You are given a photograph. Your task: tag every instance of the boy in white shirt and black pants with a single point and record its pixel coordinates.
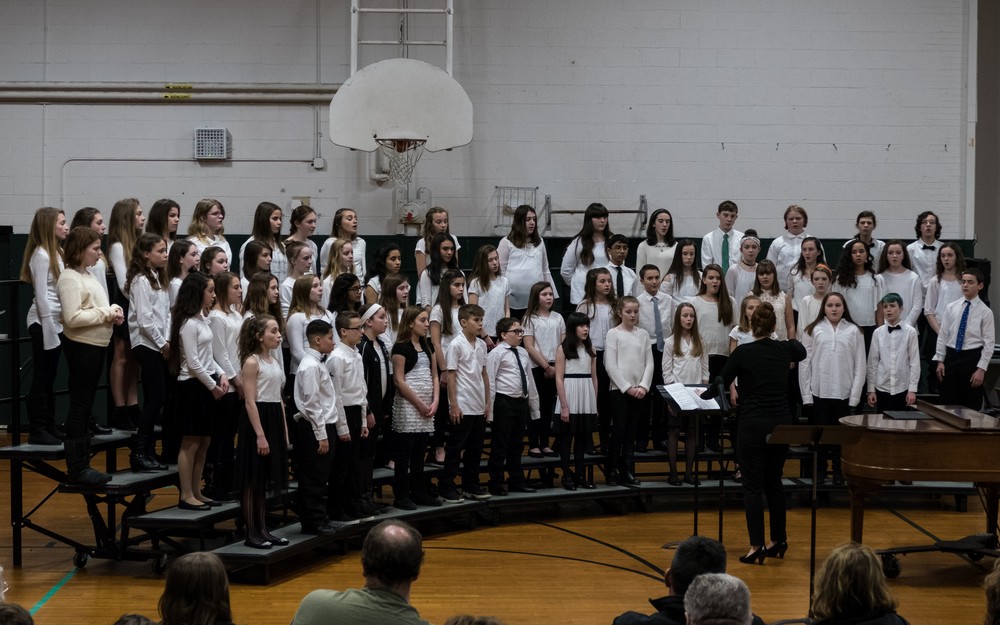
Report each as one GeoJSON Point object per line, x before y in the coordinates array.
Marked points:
{"type": "Point", "coordinates": [468, 392]}
{"type": "Point", "coordinates": [316, 427]}
{"type": "Point", "coordinates": [514, 400]}
{"type": "Point", "coordinates": [656, 312]}
{"type": "Point", "coordinates": [622, 278]}
{"type": "Point", "coordinates": [348, 372]}
{"type": "Point", "coordinates": [893, 360]}
{"type": "Point", "coordinates": [965, 345]}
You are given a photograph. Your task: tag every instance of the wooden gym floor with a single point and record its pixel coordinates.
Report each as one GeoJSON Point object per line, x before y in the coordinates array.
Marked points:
{"type": "Point", "coordinates": [572, 563]}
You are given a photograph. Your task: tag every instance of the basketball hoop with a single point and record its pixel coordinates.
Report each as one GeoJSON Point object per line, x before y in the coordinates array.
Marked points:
{"type": "Point", "coordinates": [402, 155]}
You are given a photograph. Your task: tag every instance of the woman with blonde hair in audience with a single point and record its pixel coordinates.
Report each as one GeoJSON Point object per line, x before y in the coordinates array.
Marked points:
{"type": "Point", "coordinates": [851, 590]}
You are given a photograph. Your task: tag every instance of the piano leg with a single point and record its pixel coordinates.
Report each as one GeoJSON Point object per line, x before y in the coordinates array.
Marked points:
{"type": "Point", "coordinates": [859, 489]}
{"type": "Point", "coordinates": [992, 495]}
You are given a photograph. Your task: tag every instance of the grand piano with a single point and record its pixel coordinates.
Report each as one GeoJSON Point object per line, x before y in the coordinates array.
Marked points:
{"type": "Point", "coordinates": [948, 443]}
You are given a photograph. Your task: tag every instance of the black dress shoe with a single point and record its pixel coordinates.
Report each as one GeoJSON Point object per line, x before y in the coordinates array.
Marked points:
{"type": "Point", "coordinates": [212, 504]}
{"type": "Point", "coordinates": [521, 488]}
{"type": "Point", "coordinates": [183, 505]}
{"type": "Point", "coordinates": [499, 491]}
{"type": "Point", "coordinates": [257, 545]}
{"type": "Point", "coordinates": [568, 482]}
{"type": "Point", "coordinates": [585, 483]}
{"type": "Point", "coordinates": [96, 429]}
{"type": "Point", "coordinates": [323, 530]}
{"type": "Point", "coordinates": [279, 541]}
{"type": "Point", "coordinates": [611, 478]}
{"type": "Point", "coordinates": [673, 480]}
{"type": "Point", "coordinates": [755, 556]}
{"type": "Point", "coordinates": [627, 479]}
{"type": "Point", "coordinates": [535, 454]}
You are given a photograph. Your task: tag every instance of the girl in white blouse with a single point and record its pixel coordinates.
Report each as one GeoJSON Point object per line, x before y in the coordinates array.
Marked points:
{"type": "Point", "coordinates": [489, 289]}
{"type": "Point", "coordinates": [683, 279]}
{"type": "Point", "coordinates": [206, 228]}
{"type": "Point", "coordinates": [832, 376]}
{"type": "Point", "coordinates": [301, 226]}
{"type": "Point", "coordinates": [267, 229]}
{"type": "Point", "coordinates": [544, 331]}
{"type": "Point", "coordinates": [388, 260]}
{"type": "Point", "coordinates": [685, 361]}
{"type": "Point", "coordinates": [92, 218]}
{"type": "Point", "coordinates": [394, 298]}
{"type": "Point", "coordinates": [201, 383]}
{"type": "Point", "coordinates": [42, 264]}
{"type": "Point", "coordinates": [182, 260]}
{"type": "Point", "coordinates": [163, 219]}
{"type": "Point", "coordinates": [345, 228]}
{"type": "Point", "coordinates": [124, 229]}
{"type": "Point", "coordinates": [523, 259]}
{"type": "Point", "coordinates": [435, 223]}
{"type": "Point", "coordinates": [766, 288]}
{"type": "Point", "coordinates": [300, 262]}
{"type": "Point", "coordinates": [741, 276]}
{"type": "Point", "coordinates": [226, 320]}
{"type": "Point", "coordinates": [659, 245]}
{"type": "Point", "coordinates": [586, 251]}
{"type": "Point", "coordinates": [715, 317]}
{"type": "Point", "coordinates": [809, 305]}
{"type": "Point", "coordinates": [629, 363]}
{"type": "Point", "coordinates": [800, 276]}
{"type": "Point", "coordinates": [598, 299]}
{"type": "Point", "coordinates": [149, 335]}
{"type": "Point", "coordinates": [856, 282]}
{"type": "Point", "coordinates": [896, 276]}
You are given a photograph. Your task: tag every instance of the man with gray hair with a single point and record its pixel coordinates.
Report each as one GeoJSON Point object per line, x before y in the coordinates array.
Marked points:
{"type": "Point", "coordinates": [717, 599]}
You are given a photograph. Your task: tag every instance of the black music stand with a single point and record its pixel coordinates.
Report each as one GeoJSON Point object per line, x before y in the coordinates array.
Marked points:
{"type": "Point", "coordinates": [814, 436]}
{"type": "Point", "coordinates": [691, 455]}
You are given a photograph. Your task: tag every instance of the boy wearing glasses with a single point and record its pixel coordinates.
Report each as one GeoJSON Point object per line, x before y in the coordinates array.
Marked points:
{"type": "Point", "coordinates": [347, 369]}
{"type": "Point", "coordinates": [514, 400]}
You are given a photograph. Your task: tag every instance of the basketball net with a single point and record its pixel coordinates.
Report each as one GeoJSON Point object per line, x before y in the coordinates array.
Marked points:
{"type": "Point", "coordinates": [402, 155]}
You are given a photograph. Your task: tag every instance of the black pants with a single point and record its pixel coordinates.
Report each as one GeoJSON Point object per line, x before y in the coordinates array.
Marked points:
{"type": "Point", "coordinates": [343, 490]}
{"type": "Point", "coordinates": [626, 409]}
{"type": "Point", "coordinates": [465, 448]}
{"type": "Point", "coordinates": [86, 364]}
{"type": "Point", "coordinates": [827, 411]}
{"type": "Point", "coordinates": [313, 471]}
{"type": "Point", "coordinates": [540, 430]}
{"type": "Point", "coordinates": [884, 401]}
{"type": "Point", "coordinates": [510, 418]}
{"type": "Point", "coordinates": [222, 448]}
{"type": "Point", "coordinates": [442, 422]}
{"type": "Point", "coordinates": [711, 435]}
{"type": "Point", "coordinates": [154, 386]}
{"type": "Point", "coordinates": [604, 409]}
{"type": "Point", "coordinates": [762, 466]}
{"type": "Point", "coordinates": [956, 387]}
{"type": "Point", "coordinates": [41, 403]}
{"type": "Point", "coordinates": [652, 419]}
{"type": "Point", "coordinates": [408, 476]}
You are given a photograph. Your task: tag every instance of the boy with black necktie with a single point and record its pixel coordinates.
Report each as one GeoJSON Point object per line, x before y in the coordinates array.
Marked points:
{"type": "Point", "coordinates": [893, 360]}
{"type": "Point", "coordinates": [514, 399]}
{"type": "Point", "coordinates": [622, 278]}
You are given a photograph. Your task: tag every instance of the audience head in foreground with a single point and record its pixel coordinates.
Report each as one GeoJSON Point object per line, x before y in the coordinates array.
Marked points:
{"type": "Point", "coordinates": [390, 561]}
{"type": "Point", "coordinates": [717, 599]}
{"type": "Point", "coordinates": [850, 587]}
{"type": "Point", "coordinates": [196, 591]}
{"type": "Point", "coordinates": [992, 585]}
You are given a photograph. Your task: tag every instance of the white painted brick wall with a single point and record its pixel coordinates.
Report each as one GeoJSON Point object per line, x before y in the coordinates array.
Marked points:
{"type": "Point", "coordinates": [688, 103]}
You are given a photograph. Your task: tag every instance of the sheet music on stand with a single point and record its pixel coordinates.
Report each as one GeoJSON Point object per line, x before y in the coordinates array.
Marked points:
{"type": "Point", "coordinates": [688, 397]}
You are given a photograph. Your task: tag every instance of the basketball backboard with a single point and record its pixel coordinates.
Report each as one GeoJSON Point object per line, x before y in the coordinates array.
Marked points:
{"type": "Point", "coordinates": [401, 99]}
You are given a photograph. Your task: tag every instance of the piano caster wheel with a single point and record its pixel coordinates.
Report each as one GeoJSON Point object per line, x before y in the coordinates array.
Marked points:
{"type": "Point", "coordinates": [890, 566]}
{"type": "Point", "coordinates": [80, 559]}
{"type": "Point", "coordinates": [160, 564]}
{"type": "Point", "coordinates": [976, 556]}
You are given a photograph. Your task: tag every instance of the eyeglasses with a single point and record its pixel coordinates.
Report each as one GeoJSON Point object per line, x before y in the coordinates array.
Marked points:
{"type": "Point", "coordinates": [355, 289]}
{"type": "Point", "coordinates": [518, 331]}
{"type": "Point", "coordinates": [354, 328]}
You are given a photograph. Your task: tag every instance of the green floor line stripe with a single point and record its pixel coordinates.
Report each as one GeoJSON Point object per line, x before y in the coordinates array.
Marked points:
{"type": "Point", "coordinates": [52, 591]}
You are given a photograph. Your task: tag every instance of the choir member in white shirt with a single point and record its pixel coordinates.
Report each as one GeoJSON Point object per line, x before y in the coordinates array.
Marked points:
{"type": "Point", "coordinates": [741, 276]}
{"type": "Point", "coordinates": [924, 251]}
{"type": "Point", "coordinates": [629, 363]}
{"type": "Point", "coordinates": [893, 360]}
{"type": "Point", "coordinates": [659, 245]}
{"type": "Point", "coordinates": [226, 320]}
{"type": "Point", "coordinates": [586, 251]}
{"type": "Point", "coordinates": [895, 276]}
{"type": "Point", "coordinates": [856, 282]}
{"type": "Point", "coordinates": [683, 278]}
{"type": "Point", "coordinates": [622, 277]}
{"type": "Point", "coordinates": [206, 228]}
{"type": "Point", "coordinates": [345, 227]}
{"type": "Point", "coordinates": [965, 345]}
{"type": "Point", "coordinates": [685, 361]}
{"type": "Point", "coordinates": [348, 372]}
{"type": "Point", "coordinates": [513, 400]}
{"type": "Point", "coordinates": [785, 250]}
{"type": "Point", "coordinates": [316, 428]}
{"type": "Point", "coordinates": [267, 229]}
{"type": "Point", "coordinates": [523, 260]}
{"type": "Point", "coordinates": [832, 376]}
{"type": "Point", "coordinates": [656, 312]}
{"type": "Point", "coordinates": [866, 223]}
{"type": "Point", "coordinates": [544, 331]}
{"type": "Point", "coordinates": [721, 246]}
